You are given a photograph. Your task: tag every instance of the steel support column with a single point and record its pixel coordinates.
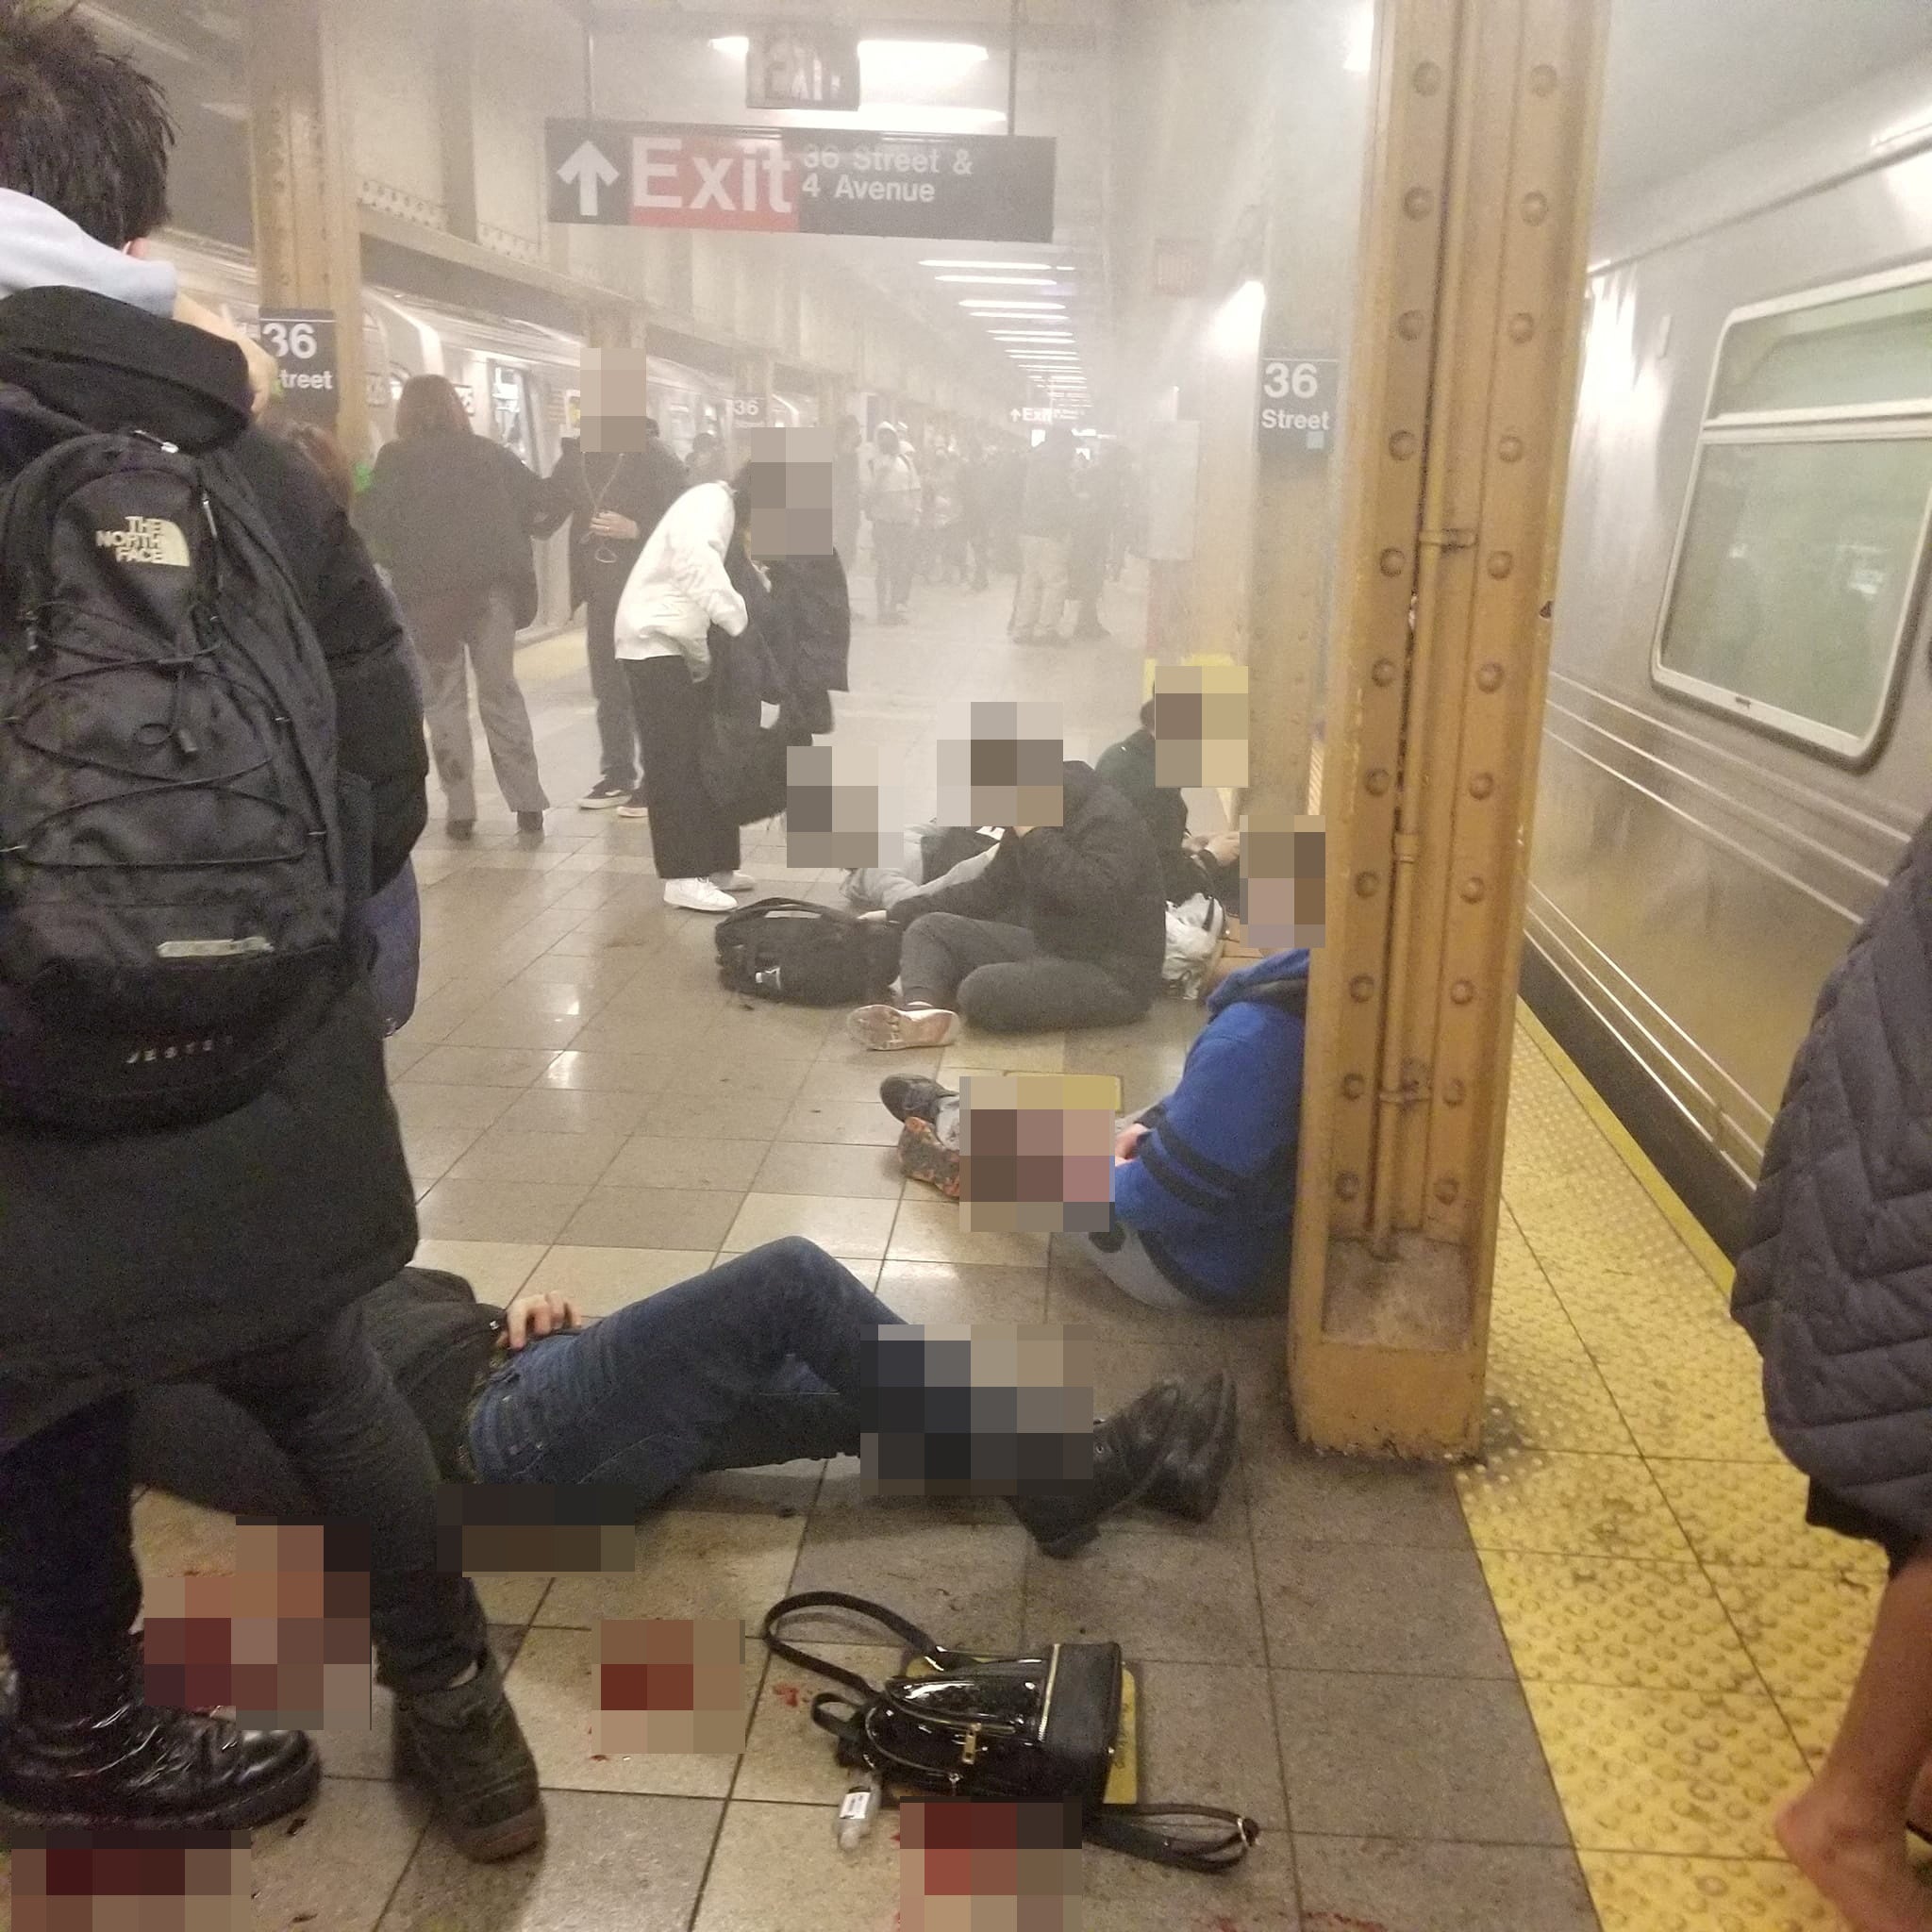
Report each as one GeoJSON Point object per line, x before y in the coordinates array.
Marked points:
{"type": "Point", "coordinates": [1469, 297]}
{"type": "Point", "coordinates": [308, 241]}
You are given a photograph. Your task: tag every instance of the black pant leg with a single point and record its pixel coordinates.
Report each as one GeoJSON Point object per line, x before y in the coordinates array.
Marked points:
{"type": "Point", "coordinates": [68, 1588]}
{"type": "Point", "coordinates": [329, 1401]}
{"type": "Point", "coordinates": [689, 837]}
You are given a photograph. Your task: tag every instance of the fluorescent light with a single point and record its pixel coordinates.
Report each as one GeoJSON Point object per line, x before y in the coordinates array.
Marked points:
{"type": "Point", "coordinates": [1005, 304]}
{"type": "Point", "coordinates": [1035, 267]}
{"type": "Point", "coordinates": [895, 117]}
{"type": "Point", "coordinates": [1065, 335]}
{"type": "Point", "coordinates": [1004, 281]}
{"type": "Point", "coordinates": [922, 64]}
{"type": "Point", "coordinates": [735, 46]}
{"type": "Point", "coordinates": [1361, 39]}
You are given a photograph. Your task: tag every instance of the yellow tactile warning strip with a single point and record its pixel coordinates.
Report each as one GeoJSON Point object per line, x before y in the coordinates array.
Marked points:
{"type": "Point", "coordinates": [1685, 1642]}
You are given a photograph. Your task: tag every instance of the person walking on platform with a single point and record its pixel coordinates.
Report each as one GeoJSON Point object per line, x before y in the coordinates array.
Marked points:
{"type": "Point", "coordinates": [848, 493]}
{"type": "Point", "coordinates": [893, 502]}
{"type": "Point", "coordinates": [976, 506]}
{"type": "Point", "coordinates": [1090, 545]}
{"type": "Point", "coordinates": [222, 1219]}
{"type": "Point", "coordinates": [1833, 1284]}
{"type": "Point", "coordinates": [613, 499]}
{"type": "Point", "coordinates": [451, 514]}
{"type": "Point", "coordinates": [1046, 526]}
{"type": "Point", "coordinates": [706, 462]}
{"type": "Point", "coordinates": [678, 589]}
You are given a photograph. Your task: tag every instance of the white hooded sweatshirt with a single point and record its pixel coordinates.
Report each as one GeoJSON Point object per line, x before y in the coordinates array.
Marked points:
{"type": "Point", "coordinates": [679, 587]}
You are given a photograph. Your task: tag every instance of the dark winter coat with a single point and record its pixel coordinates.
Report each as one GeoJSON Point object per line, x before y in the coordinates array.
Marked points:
{"type": "Point", "coordinates": [1087, 890]}
{"type": "Point", "coordinates": [1128, 767]}
{"type": "Point", "coordinates": [453, 513]}
{"type": "Point", "coordinates": [637, 484]}
{"type": "Point", "coordinates": [1834, 1279]}
{"type": "Point", "coordinates": [128, 1258]}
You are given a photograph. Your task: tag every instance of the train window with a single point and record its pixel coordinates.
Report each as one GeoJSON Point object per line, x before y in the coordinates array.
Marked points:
{"type": "Point", "coordinates": [1803, 540]}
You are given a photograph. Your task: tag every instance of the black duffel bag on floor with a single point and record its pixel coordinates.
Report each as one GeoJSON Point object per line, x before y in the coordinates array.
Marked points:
{"type": "Point", "coordinates": [805, 955]}
{"type": "Point", "coordinates": [1038, 1729]}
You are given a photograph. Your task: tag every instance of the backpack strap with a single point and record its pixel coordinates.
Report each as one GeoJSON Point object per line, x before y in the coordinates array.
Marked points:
{"type": "Point", "coordinates": [909, 1632]}
{"type": "Point", "coordinates": [1127, 1828]}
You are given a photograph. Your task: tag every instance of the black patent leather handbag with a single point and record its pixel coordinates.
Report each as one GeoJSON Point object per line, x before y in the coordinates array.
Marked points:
{"type": "Point", "coordinates": [1038, 1728]}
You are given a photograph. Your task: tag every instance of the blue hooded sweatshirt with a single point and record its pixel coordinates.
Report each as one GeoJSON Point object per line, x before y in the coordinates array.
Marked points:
{"type": "Point", "coordinates": [1210, 1191]}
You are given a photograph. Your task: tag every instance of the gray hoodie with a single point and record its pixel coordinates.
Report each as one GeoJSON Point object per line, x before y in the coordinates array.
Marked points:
{"type": "Point", "coordinates": [39, 248]}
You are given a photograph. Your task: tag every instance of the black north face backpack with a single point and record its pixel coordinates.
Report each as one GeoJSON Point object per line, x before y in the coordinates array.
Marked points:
{"type": "Point", "coordinates": [175, 892]}
{"type": "Point", "coordinates": [805, 955]}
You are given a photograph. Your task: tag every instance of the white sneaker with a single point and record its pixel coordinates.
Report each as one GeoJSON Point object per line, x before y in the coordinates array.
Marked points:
{"type": "Point", "coordinates": [899, 1029]}
{"type": "Point", "coordinates": [697, 895]}
{"type": "Point", "coordinates": [734, 882]}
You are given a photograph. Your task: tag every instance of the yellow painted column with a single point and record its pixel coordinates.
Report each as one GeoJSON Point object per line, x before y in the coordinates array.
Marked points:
{"type": "Point", "coordinates": [307, 236]}
{"type": "Point", "coordinates": [1464, 363]}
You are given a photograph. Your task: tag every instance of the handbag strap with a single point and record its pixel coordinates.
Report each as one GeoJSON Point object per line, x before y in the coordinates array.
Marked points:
{"type": "Point", "coordinates": [1127, 1828]}
{"type": "Point", "coordinates": [909, 1633]}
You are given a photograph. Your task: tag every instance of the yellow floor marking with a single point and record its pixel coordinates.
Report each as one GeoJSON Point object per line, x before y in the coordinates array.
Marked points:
{"type": "Point", "coordinates": [1683, 1640]}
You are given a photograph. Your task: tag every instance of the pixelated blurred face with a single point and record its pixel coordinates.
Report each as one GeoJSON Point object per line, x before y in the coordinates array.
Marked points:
{"type": "Point", "coordinates": [836, 811]}
{"type": "Point", "coordinates": [1284, 884]}
{"type": "Point", "coordinates": [989, 1410]}
{"type": "Point", "coordinates": [68, 1880]}
{"type": "Point", "coordinates": [615, 402]}
{"type": "Point", "coordinates": [788, 480]}
{"type": "Point", "coordinates": [1201, 725]}
{"type": "Point", "coordinates": [1035, 1153]}
{"type": "Point", "coordinates": [989, 1867]}
{"type": "Point", "coordinates": [535, 1529]}
{"type": "Point", "coordinates": [283, 1638]}
{"type": "Point", "coordinates": [1010, 770]}
{"type": "Point", "coordinates": [672, 1685]}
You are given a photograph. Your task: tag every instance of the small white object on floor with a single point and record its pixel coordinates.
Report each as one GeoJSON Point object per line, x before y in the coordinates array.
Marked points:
{"type": "Point", "coordinates": [697, 895]}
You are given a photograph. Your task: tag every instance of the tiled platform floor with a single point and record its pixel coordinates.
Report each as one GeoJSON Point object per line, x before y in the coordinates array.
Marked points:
{"type": "Point", "coordinates": [1391, 1661]}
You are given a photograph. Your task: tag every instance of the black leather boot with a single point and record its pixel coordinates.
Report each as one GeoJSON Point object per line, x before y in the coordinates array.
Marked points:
{"type": "Point", "coordinates": [1129, 1449]}
{"type": "Point", "coordinates": [1188, 1481]}
{"type": "Point", "coordinates": [465, 1747]}
{"type": "Point", "coordinates": [96, 1756]}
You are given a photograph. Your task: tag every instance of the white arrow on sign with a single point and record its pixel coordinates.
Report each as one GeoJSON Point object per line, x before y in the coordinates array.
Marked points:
{"type": "Point", "coordinates": [590, 171]}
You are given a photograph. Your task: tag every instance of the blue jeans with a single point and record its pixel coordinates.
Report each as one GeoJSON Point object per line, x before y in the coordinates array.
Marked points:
{"type": "Point", "coordinates": [759, 1360]}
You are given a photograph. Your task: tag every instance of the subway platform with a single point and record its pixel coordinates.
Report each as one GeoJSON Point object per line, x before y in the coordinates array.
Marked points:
{"type": "Point", "coordinates": [1559, 1688]}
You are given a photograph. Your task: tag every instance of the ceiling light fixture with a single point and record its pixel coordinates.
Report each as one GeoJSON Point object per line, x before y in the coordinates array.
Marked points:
{"type": "Point", "coordinates": [920, 63]}
{"type": "Point", "coordinates": [1005, 304]}
{"type": "Point", "coordinates": [1003, 281]}
{"type": "Point", "coordinates": [733, 46]}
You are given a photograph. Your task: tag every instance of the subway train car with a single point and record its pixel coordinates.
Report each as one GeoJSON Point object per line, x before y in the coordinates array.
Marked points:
{"type": "Point", "coordinates": [520, 381]}
{"type": "Point", "coordinates": [1738, 740]}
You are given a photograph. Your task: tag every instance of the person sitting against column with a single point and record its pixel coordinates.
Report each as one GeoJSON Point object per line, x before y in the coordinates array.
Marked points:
{"type": "Point", "coordinates": [1203, 1180]}
{"type": "Point", "coordinates": [766, 1358]}
{"type": "Point", "coordinates": [1065, 927]}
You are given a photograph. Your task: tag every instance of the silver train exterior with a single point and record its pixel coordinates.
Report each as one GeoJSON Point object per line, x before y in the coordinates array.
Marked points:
{"type": "Point", "coordinates": [1739, 739]}
{"type": "Point", "coordinates": [521, 381]}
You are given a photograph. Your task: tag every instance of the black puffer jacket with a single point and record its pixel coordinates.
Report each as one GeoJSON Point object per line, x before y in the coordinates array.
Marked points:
{"type": "Point", "coordinates": [1834, 1280]}
{"type": "Point", "coordinates": [1087, 890]}
{"type": "Point", "coordinates": [128, 1258]}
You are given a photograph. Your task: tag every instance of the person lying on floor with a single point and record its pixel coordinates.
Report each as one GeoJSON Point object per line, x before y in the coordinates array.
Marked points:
{"type": "Point", "coordinates": [1203, 1180]}
{"type": "Point", "coordinates": [762, 1360]}
{"type": "Point", "coordinates": [1066, 926]}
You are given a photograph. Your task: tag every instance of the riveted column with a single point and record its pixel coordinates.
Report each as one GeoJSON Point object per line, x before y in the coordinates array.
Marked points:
{"type": "Point", "coordinates": [307, 236]}
{"type": "Point", "coordinates": [1463, 380]}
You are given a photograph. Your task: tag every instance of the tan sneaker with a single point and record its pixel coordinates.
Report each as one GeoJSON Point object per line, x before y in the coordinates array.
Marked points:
{"type": "Point", "coordinates": [896, 1030]}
